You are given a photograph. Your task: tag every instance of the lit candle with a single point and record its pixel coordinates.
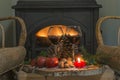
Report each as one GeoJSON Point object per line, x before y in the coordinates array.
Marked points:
{"type": "Point", "coordinates": [79, 63]}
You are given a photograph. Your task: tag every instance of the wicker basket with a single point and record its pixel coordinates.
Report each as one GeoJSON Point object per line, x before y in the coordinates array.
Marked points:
{"type": "Point", "coordinates": [12, 57]}
{"type": "Point", "coordinates": [113, 51]}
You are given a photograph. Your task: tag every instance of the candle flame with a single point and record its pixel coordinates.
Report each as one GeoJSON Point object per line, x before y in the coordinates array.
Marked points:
{"type": "Point", "coordinates": [79, 60]}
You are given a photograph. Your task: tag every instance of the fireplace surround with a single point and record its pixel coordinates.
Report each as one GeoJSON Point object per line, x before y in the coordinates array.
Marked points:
{"type": "Point", "coordinates": [38, 14]}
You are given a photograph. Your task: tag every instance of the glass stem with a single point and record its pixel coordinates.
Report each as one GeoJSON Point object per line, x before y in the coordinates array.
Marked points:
{"type": "Point", "coordinates": [73, 51]}
{"type": "Point", "coordinates": [56, 50]}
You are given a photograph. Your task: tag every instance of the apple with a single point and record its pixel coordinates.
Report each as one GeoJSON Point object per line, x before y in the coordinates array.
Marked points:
{"type": "Point", "coordinates": [33, 62]}
{"type": "Point", "coordinates": [51, 62]}
{"type": "Point", "coordinates": [41, 61]}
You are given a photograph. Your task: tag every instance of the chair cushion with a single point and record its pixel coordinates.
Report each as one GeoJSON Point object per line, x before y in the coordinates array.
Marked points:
{"type": "Point", "coordinates": [11, 58]}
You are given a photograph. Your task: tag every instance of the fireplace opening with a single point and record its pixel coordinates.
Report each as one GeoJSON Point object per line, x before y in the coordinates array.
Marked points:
{"type": "Point", "coordinates": [61, 35]}
{"type": "Point", "coordinates": [58, 30]}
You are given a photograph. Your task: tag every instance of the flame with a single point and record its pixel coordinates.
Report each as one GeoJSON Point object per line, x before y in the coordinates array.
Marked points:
{"type": "Point", "coordinates": [56, 31]}
{"type": "Point", "coordinates": [44, 32]}
{"type": "Point", "coordinates": [72, 32]}
{"type": "Point", "coordinates": [79, 60]}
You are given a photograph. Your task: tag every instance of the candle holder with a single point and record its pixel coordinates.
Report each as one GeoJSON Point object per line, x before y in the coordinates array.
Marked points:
{"type": "Point", "coordinates": [79, 63]}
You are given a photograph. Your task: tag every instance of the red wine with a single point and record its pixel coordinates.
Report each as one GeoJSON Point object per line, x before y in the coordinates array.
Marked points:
{"type": "Point", "coordinates": [73, 39]}
{"type": "Point", "coordinates": [54, 39]}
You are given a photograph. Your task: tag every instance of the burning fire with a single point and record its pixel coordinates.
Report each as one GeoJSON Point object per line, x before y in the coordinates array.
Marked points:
{"type": "Point", "coordinates": [43, 32]}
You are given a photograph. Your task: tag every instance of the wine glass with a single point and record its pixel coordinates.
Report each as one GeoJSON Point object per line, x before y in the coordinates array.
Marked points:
{"type": "Point", "coordinates": [74, 33]}
{"type": "Point", "coordinates": [55, 35]}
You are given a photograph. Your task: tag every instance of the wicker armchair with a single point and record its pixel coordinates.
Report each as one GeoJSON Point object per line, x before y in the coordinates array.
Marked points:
{"type": "Point", "coordinates": [12, 57]}
{"type": "Point", "coordinates": [113, 52]}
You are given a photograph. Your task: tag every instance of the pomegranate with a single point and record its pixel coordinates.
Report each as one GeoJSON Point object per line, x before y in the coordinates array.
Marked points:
{"type": "Point", "coordinates": [51, 62]}
{"type": "Point", "coordinates": [33, 62]}
{"type": "Point", "coordinates": [41, 61]}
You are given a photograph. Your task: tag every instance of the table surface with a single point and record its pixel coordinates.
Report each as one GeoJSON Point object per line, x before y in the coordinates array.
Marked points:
{"type": "Point", "coordinates": [86, 71]}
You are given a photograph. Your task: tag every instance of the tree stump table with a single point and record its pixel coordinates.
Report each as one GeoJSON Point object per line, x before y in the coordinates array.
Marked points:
{"type": "Point", "coordinates": [61, 72]}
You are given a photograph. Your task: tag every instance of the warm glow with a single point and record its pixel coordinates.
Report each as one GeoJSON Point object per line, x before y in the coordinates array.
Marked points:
{"type": "Point", "coordinates": [43, 32]}
{"type": "Point", "coordinates": [80, 63]}
{"type": "Point", "coordinates": [79, 60]}
{"type": "Point", "coordinates": [56, 31]}
{"type": "Point", "coordinates": [72, 32]}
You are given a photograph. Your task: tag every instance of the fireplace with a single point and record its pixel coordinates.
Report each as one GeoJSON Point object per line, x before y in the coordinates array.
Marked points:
{"type": "Point", "coordinates": [38, 14]}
